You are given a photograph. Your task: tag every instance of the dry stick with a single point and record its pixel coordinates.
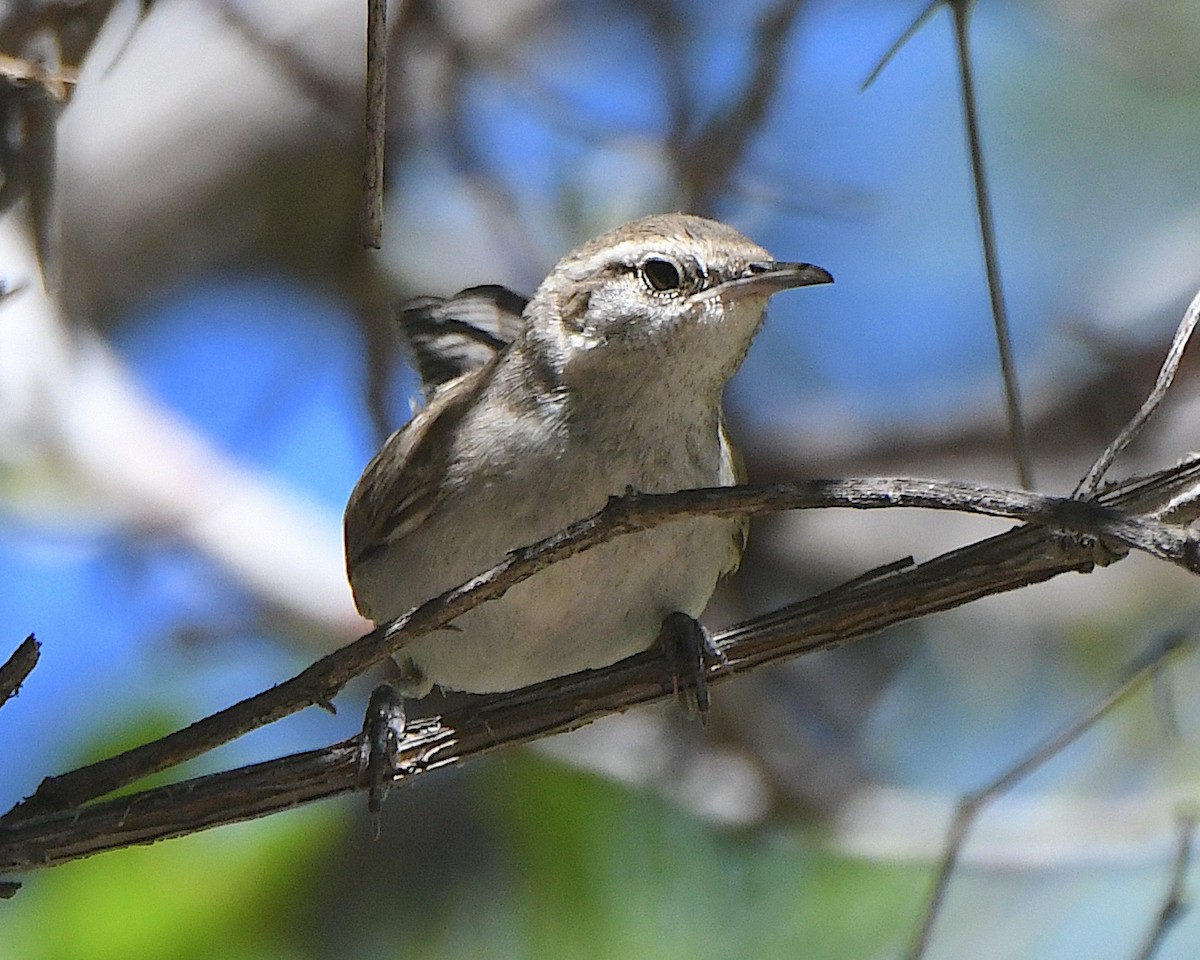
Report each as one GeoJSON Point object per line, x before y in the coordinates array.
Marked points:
{"type": "Point", "coordinates": [1175, 904]}
{"type": "Point", "coordinates": [1005, 562]}
{"type": "Point", "coordinates": [960, 11]}
{"type": "Point", "coordinates": [1183, 333]}
{"type": "Point", "coordinates": [375, 128]}
{"type": "Point", "coordinates": [12, 674]}
{"type": "Point", "coordinates": [17, 667]}
{"type": "Point", "coordinates": [971, 805]}
{"type": "Point", "coordinates": [320, 682]}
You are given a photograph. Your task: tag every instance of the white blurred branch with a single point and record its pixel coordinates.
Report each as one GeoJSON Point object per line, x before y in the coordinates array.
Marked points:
{"type": "Point", "coordinates": [72, 416]}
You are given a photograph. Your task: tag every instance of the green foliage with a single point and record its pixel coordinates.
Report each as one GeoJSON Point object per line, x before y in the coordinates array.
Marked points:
{"type": "Point", "coordinates": [229, 893]}
{"type": "Point", "coordinates": [575, 866]}
{"type": "Point", "coordinates": [605, 871]}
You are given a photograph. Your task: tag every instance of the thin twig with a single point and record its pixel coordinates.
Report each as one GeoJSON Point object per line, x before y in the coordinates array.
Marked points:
{"type": "Point", "coordinates": [1175, 904]}
{"type": "Point", "coordinates": [960, 11]}
{"type": "Point", "coordinates": [1166, 374]}
{"type": "Point", "coordinates": [375, 127]}
{"type": "Point", "coordinates": [17, 667]}
{"type": "Point", "coordinates": [909, 32]}
{"type": "Point", "coordinates": [970, 806]}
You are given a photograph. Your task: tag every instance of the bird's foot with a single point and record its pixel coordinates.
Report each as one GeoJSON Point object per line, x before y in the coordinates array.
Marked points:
{"type": "Point", "coordinates": [379, 750]}
{"type": "Point", "coordinates": [690, 649]}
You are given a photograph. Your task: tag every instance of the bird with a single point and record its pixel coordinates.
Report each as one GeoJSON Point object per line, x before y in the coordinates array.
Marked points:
{"type": "Point", "coordinates": [609, 378]}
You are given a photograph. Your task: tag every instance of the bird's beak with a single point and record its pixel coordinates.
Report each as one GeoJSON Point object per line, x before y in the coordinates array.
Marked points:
{"type": "Point", "coordinates": [784, 275]}
{"type": "Point", "coordinates": [771, 276]}
{"type": "Point", "coordinates": [775, 275]}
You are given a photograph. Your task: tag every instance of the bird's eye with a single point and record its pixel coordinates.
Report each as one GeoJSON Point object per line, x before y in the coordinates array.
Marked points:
{"type": "Point", "coordinates": [661, 274]}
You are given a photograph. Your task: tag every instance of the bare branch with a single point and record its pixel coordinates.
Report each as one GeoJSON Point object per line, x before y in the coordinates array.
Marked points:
{"type": "Point", "coordinates": [56, 80]}
{"type": "Point", "coordinates": [321, 682]}
{"type": "Point", "coordinates": [961, 10]}
{"type": "Point", "coordinates": [972, 804]}
{"type": "Point", "coordinates": [17, 667]}
{"type": "Point", "coordinates": [375, 129]}
{"type": "Point", "coordinates": [34, 835]}
{"type": "Point", "coordinates": [1166, 374]}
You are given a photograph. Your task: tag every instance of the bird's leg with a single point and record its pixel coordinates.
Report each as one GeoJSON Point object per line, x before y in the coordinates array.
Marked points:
{"type": "Point", "coordinates": [689, 647]}
{"type": "Point", "coordinates": [382, 732]}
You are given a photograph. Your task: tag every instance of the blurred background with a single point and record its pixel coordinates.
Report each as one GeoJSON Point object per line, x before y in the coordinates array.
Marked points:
{"type": "Point", "coordinates": [189, 393]}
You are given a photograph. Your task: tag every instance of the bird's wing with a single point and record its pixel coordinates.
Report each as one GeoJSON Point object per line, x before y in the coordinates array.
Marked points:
{"type": "Point", "coordinates": [451, 336]}
{"type": "Point", "coordinates": [404, 482]}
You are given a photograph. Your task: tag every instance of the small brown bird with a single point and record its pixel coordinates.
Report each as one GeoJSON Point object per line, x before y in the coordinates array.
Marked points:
{"type": "Point", "coordinates": [611, 378]}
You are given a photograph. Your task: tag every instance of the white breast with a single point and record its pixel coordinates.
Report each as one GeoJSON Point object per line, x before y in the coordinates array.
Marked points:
{"type": "Point", "coordinates": [588, 611]}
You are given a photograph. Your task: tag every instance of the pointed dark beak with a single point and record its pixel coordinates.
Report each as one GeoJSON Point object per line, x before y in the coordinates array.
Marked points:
{"type": "Point", "coordinates": [781, 275]}
{"type": "Point", "coordinates": [772, 276]}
